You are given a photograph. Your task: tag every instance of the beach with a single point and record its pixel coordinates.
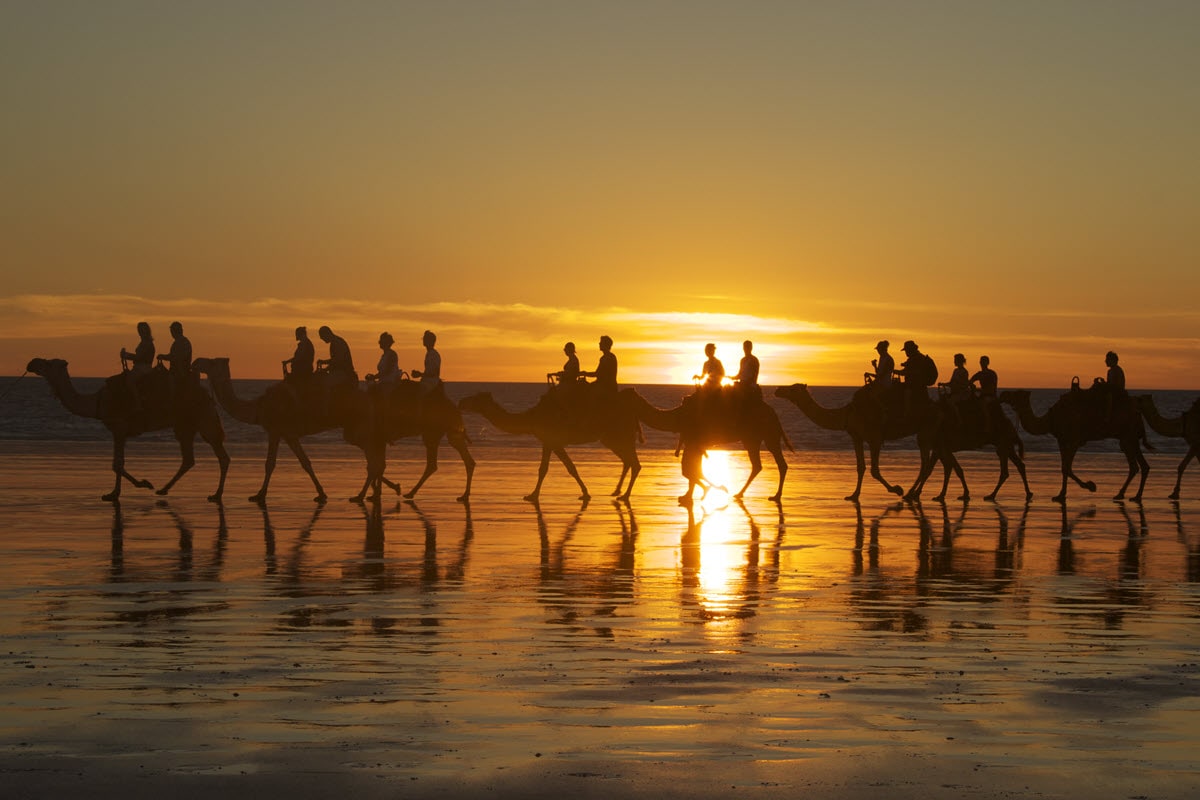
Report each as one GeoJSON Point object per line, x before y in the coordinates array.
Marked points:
{"type": "Point", "coordinates": [503, 648]}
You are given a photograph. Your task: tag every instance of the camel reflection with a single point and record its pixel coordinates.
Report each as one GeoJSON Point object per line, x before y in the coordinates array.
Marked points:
{"type": "Point", "coordinates": [1113, 597]}
{"type": "Point", "coordinates": [723, 576]}
{"type": "Point", "coordinates": [365, 590]}
{"type": "Point", "coordinates": [151, 569]}
{"type": "Point", "coordinates": [1191, 546]}
{"type": "Point", "coordinates": [585, 597]}
{"type": "Point", "coordinates": [945, 571]}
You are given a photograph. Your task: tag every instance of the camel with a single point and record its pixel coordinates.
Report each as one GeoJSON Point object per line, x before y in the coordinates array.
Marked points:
{"type": "Point", "coordinates": [965, 430]}
{"type": "Point", "coordinates": [556, 424]}
{"type": "Point", "coordinates": [866, 421]}
{"type": "Point", "coordinates": [187, 415]}
{"type": "Point", "coordinates": [1186, 427]}
{"type": "Point", "coordinates": [1078, 417]}
{"type": "Point", "coordinates": [286, 415]}
{"type": "Point", "coordinates": [407, 411]}
{"type": "Point", "coordinates": [754, 424]}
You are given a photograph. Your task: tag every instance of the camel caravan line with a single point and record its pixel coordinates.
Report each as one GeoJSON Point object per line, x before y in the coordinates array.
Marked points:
{"type": "Point", "coordinates": [575, 411]}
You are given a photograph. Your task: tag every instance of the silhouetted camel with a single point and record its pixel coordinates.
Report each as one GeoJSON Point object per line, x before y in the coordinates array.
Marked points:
{"type": "Point", "coordinates": [754, 424]}
{"type": "Point", "coordinates": [1077, 418]}
{"type": "Point", "coordinates": [287, 413]}
{"type": "Point", "coordinates": [556, 426]}
{"type": "Point", "coordinates": [966, 431]}
{"type": "Point", "coordinates": [865, 421]}
{"type": "Point", "coordinates": [406, 411]}
{"type": "Point", "coordinates": [187, 414]}
{"type": "Point", "coordinates": [1185, 426]}
{"type": "Point", "coordinates": [279, 410]}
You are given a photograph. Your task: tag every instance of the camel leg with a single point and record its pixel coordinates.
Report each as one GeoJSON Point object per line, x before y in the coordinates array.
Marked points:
{"type": "Point", "coordinates": [781, 464]}
{"type": "Point", "coordinates": [1137, 463]}
{"type": "Point", "coordinates": [1004, 457]}
{"type": "Point", "coordinates": [431, 463]}
{"type": "Point", "coordinates": [877, 475]}
{"type": "Point", "coordinates": [268, 467]}
{"type": "Point", "coordinates": [862, 467]}
{"type": "Point", "coordinates": [118, 466]}
{"type": "Point", "coordinates": [297, 448]}
{"type": "Point", "coordinates": [1192, 452]}
{"type": "Point", "coordinates": [1019, 463]}
{"type": "Point", "coordinates": [376, 456]}
{"type": "Point", "coordinates": [459, 443]}
{"type": "Point", "coordinates": [572, 471]}
{"type": "Point", "coordinates": [1068, 471]}
{"type": "Point", "coordinates": [543, 468]}
{"type": "Point", "coordinates": [187, 453]}
{"type": "Point", "coordinates": [217, 442]}
{"type": "Point", "coordinates": [755, 467]}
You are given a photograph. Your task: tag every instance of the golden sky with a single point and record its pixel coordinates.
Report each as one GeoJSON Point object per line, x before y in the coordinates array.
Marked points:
{"type": "Point", "coordinates": [1017, 179]}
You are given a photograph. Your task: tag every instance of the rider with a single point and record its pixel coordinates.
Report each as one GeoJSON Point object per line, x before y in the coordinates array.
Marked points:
{"type": "Point", "coordinates": [569, 374]}
{"type": "Point", "coordinates": [916, 373]}
{"type": "Point", "coordinates": [140, 362]}
{"type": "Point", "coordinates": [1117, 396]}
{"type": "Point", "coordinates": [747, 377]}
{"type": "Point", "coordinates": [959, 386]}
{"type": "Point", "coordinates": [179, 357]}
{"type": "Point", "coordinates": [302, 360]}
{"type": "Point", "coordinates": [605, 373]}
{"type": "Point", "coordinates": [988, 383]}
{"type": "Point", "coordinates": [388, 369]}
{"type": "Point", "coordinates": [431, 376]}
{"type": "Point", "coordinates": [884, 366]}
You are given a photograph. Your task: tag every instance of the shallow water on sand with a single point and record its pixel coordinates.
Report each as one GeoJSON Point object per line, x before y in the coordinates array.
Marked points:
{"type": "Point", "coordinates": [436, 641]}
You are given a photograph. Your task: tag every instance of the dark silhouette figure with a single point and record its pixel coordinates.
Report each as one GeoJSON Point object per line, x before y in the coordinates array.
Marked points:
{"type": "Point", "coordinates": [988, 383]}
{"type": "Point", "coordinates": [301, 362]}
{"type": "Point", "coordinates": [431, 375]}
{"type": "Point", "coordinates": [605, 374]}
{"type": "Point", "coordinates": [747, 377]}
{"type": "Point", "coordinates": [138, 364]}
{"type": "Point", "coordinates": [570, 374]}
{"type": "Point", "coordinates": [191, 413]}
{"type": "Point", "coordinates": [1114, 382]}
{"type": "Point", "coordinates": [883, 367]}
{"type": "Point", "coordinates": [388, 369]}
{"type": "Point", "coordinates": [869, 422]}
{"type": "Point", "coordinates": [957, 390]}
{"type": "Point", "coordinates": [1185, 426]}
{"type": "Point", "coordinates": [1078, 417]}
{"type": "Point", "coordinates": [340, 364]}
{"type": "Point", "coordinates": [179, 357]}
{"type": "Point", "coordinates": [713, 371]}
{"type": "Point", "coordinates": [918, 372]}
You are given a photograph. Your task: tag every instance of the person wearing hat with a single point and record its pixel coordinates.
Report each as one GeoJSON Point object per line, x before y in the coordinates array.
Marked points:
{"type": "Point", "coordinates": [917, 374]}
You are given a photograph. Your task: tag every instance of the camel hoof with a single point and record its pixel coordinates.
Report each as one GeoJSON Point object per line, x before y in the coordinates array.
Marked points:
{"type": "Point", "coordinates": [775, 498]}
{"type": "Point", "coordinates": [161, 492]}
{"type": "Point", "coordinates": [964, 497]}
{"type": "Point", "coordinates": [585, 496]}
{"type": "Point", "coordinates": [463, 498]}
{"type": "Point", "coordinates": [685, 500]}
{"type": "Point", "coordinates": [937, 498]}
{"type": "Point", "coordinates": [896, 490]}
{"type": "Point", "coordinates": [1173, 496]}
{"type": "Point", "coordinates": [1059, 498]}
{"type": "Point", "coordinates": [1137, 498]}
{"type": "Point", "coordinates": [321, 499]}
{"type": "Point", "coordinates": [358, 498]}
{"type": "Point", "coordinates": [1090, 486]}
{"type": "Point", "coordinates": [532, 498]}
{"type": "Point", "coordinates": [409, 495]}
{"type": "Point", "coordinates": [1119, 497]}
{"type": "Point", "coordinates": [111, 497]}
{"type": "Point", "coordinates": [214, 498]}
{"type": "Point", "coordinates": [144, 485]}
{"type": "Point", "coordinates": [1028, 496]}
{"type": "Point", "coordinates": [991, 498]}
{"type": "Point", "coordinates": [853, 498]}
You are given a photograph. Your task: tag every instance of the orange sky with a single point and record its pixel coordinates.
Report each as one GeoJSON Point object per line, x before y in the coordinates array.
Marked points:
{"type": "Point", "coordinates": [1012, 179]}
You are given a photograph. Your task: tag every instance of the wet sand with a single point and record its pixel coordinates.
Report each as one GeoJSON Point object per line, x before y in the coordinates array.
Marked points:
{"type": "Point", "coordinates": [814, 648]}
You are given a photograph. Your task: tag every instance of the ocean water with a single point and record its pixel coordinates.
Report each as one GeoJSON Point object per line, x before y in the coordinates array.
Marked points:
{"type": "Point", "coordinates": [30, 412]}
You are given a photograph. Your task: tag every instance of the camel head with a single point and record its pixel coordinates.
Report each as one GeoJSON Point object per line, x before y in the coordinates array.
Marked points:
{"type": "Point", "coordinates": [476, 402]}
{"type": "Point", "coordinates": [216, 368]}
{"type": "Point", "coordinates": [788, 392]}
{"type": "Point", "coordinates": [46, 366]}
